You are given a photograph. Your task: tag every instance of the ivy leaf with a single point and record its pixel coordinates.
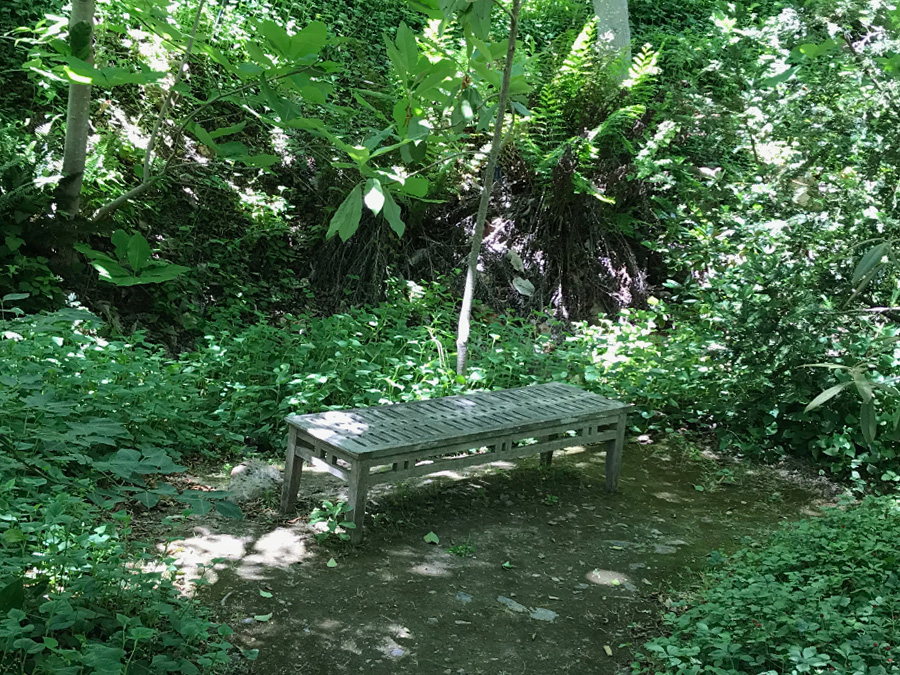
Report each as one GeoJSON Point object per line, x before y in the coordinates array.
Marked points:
{"type": "Point", "coordinates": [346, 219]}
{"type": "Point", "coordinates": [432, 538]}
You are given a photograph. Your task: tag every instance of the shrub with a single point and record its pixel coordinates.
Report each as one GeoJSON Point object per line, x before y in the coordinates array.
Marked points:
{"type": "Point", "coordinates": [821, 596]}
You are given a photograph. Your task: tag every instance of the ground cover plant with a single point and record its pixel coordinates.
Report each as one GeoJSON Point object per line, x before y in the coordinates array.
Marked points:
{"type": "Point", "coordinates": [819, 596]}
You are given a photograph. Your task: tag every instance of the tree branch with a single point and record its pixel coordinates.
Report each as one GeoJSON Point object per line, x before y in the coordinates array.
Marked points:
{"type": "Point", "coordinates": [167, 101]}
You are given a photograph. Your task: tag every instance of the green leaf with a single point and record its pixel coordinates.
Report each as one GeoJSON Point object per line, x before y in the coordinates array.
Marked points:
{"type": "Point", "coordinates": [406, 43]}
{"type": "Point", "coordinates": [431, 538]}
{"type": "Point", "coordinates": [868, 420]}
{"type": "Point", "coordinates": [148, 499]}
{"type": "Point", "coordinates": [825, 396]}
{"type": "Point", "coordinates": [229, 510]}
{"type": "Point", "coordinates": [415, 186]}
{"type": "Point", "coordinates": [346, 219]}
{"type": "Point", "coordinates": [120, 239]}
{"type": "Point", "coordinates": [780, 77]}
{"type": "Point", "coordinates": [392, 214]}
{"type": "Point", "coordinates": [103, 659]}
{"type": "Point", "coordinates": [13, 297]}
{"type": "Point", "coordinates": [374, 195]}
{"type": "Point", "coordinates": [228, 131]}
{"type": "Point", "coordinates": [870, 261]}
{"type": "Point", "coordinates": [13, 536]}
{"type": "Point", "coordinates": [263, 617]}
{"type": "Point", "coordinates": [139, 252]}
{"type": "Point", "coordinates": [331, 563]}
{"type": "Point", "coordinates": [250, 654]}
{"type": "Point", "coordinates": [265, 594]}
{"type": "Point", "coordinates": [863, 386]}
{"type": "Point", "coordinates": [309, 41]}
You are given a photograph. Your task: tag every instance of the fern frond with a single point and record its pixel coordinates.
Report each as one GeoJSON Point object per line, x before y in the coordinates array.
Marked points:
{"type": "Point", "coordinates": [641, 81]}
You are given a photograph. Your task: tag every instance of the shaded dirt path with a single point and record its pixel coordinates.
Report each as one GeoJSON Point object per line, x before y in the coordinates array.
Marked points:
{"type": "Point", "coordinates": [584, 570]}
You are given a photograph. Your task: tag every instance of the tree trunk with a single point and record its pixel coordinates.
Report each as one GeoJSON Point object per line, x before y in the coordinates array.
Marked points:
{"type": "Point", "coordinates": [465, 313]}
{"type": "Point", "coordinates": [78, 114]}
{"type": "Point", "coordinates": [613, 31]}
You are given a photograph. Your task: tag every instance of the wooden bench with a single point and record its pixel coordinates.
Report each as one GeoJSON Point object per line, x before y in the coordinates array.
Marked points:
{"type": "Point", "coordinates": [385, 444]}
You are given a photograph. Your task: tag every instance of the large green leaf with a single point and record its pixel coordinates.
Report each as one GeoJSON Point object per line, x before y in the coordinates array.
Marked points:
{"type": "Point", "coordinates": [229, 510]}
{"type": "Point", "coordinates": [392, 214]}
{"type": "Point", "coordinates": [868, 420]}
{"type": "Point", "coordinates": [139, 253]}
{"type": "Point", "coordinates": [870, 261]}
{"type": "Point", "coordinates": [374, 195]}
{"type": "Point", "coordinates": [826, 396]}
{"type": "Point", "coordinates": [346, 219]}
{"type": "Point", "coordinates": [309, 41]}
{"type": "Point", "coordinates": [406, 44]}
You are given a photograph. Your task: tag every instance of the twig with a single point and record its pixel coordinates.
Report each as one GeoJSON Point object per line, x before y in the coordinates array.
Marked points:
{"type": "Point", "coordinates": [865, 68]}
{"type": "Point", "coordinates": [182, 68]}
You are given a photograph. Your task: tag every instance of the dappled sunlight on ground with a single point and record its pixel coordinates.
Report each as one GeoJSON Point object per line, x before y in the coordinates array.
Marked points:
{"type": "Point", "coordinates": [206, 552]}
{"type": "Point", "coordinates": [536, 570]}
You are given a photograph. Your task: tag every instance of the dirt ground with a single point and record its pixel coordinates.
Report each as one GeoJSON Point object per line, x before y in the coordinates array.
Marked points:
{"type": "Point", "coordinates": [538, 571]}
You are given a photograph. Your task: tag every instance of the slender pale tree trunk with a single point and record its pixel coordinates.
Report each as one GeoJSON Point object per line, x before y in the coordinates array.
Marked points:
{"type": "Point", "coordinates": [465, 313]}
{"type": "Point", "coordinates": [613, 31]}
{"type": "Point", "coordinates": [78, 114]}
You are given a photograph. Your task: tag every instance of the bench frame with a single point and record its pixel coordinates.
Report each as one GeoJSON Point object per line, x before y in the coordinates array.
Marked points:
{"type": "Point", "coordinates": [363, 472]}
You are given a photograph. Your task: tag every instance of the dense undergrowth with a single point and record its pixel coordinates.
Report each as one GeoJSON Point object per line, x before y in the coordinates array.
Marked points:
{"type": "Point", "coordinates": [733, 204]}
{"type": "Point", "coordinates": [822, 595]}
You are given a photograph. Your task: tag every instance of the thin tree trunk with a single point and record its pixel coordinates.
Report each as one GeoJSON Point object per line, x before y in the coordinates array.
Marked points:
{"type": "Point", "coordinates": [78, 114]}
{"type": "Point", "coordinates": [465, 313]}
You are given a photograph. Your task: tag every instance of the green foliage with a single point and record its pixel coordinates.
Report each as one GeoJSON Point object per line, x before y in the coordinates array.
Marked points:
{"type": "Point", "coordinates": [820, 596]}
{"type": "Point", "coordinates": [332, 515]}
{"type": "Point", "coordinates": [80, 596]}
{"type": "Point", "coordinates": [133, 264]}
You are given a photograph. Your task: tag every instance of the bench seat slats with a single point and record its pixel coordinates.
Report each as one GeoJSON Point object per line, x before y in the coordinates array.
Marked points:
{"type": "Point", "coordinates": [388, 430]}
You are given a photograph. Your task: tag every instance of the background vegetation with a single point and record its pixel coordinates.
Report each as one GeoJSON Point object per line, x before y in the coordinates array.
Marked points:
{"type": "Point", "coordinates": [711, 239]}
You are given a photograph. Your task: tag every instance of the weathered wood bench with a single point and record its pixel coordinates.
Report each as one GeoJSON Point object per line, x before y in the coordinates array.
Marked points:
{"type": "Point", "coordinates": [385, 444]}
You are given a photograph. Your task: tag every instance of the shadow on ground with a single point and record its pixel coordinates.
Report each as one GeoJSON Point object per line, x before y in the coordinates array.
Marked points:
{"type": "Point", "coordinates": [549, 574]}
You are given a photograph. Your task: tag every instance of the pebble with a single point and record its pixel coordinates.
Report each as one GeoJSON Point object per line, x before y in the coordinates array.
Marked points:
{"type": "Point", "coordinates": [541, 614]}
{"type": "Point", "coordinates": [464, 598]}
{"type": "Point", "coordinates": [512, 604]}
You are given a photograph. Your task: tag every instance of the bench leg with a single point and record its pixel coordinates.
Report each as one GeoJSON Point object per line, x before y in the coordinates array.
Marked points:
{"type": "Point", "coordinates": [614, 450]}
{"type": "Point", "coordinates": [293, 469]}
{"type": "Point", "coordinates": [359, 487]}
{"type": "Point", "coordinates": [546, 458]}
